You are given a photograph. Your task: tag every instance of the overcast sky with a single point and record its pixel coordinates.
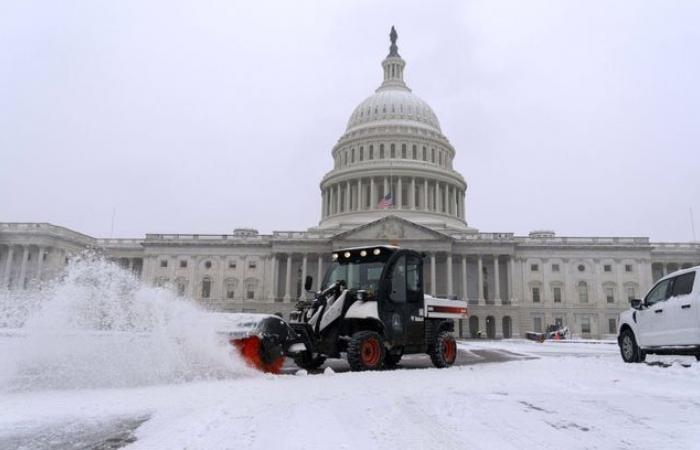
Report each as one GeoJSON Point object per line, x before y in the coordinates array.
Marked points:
{"type": "Point", "coordinates": [199, 117]}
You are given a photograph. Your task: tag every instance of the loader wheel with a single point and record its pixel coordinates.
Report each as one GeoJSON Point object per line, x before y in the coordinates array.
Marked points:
{"type": "Point", "coordinates": [365, 351]}
{"type": "Point", "coordinates": [307, 361]}
{"type": "Point", "coordinates": [444, 351]}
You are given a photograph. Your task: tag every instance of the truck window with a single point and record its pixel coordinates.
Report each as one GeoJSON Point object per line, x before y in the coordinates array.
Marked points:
{"type": "Point", "coordinates": [398, 281]}
{"type": "Point", "coordinates": [683, 284]}
{"type": "Point", "coordinates": [658, 294]}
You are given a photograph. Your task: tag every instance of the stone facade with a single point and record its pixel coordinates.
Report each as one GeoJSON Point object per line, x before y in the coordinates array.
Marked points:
{"type": "Point", "coordinates": [393, 145]}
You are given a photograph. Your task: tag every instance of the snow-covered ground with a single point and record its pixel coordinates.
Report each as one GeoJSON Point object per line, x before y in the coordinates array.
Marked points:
{"type": "Point", "coordinates": [98, 361]}
{"type": "Point", "coordinates": [570, 396]}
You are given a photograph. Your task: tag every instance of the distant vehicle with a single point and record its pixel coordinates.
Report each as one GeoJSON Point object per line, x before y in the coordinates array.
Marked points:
{"type": "Point", "coordinates": [665, 322]}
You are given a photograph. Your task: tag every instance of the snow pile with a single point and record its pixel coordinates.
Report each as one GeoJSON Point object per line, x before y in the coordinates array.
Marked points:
{"type": "Point", "coordinates": [99, 327]}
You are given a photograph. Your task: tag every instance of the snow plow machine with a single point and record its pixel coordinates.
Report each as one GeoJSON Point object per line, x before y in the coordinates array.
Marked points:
{"type": "Point", "coordinates": [372, 310]}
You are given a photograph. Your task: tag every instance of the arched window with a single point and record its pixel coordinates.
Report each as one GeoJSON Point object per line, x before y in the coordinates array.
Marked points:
{"type": "Point", "coordinates": [352, 155]}
{"type": "Point", "coordinates": [251, 285]}
{"type": "Point", "coordinates": [181, 285]}
{"type": "Point", "coordinates": [425, 154]}
{"type": "Point", "coordinates": [403, 151]}
{"type": "Point", "coordinates": [393, 151]}
{"type": "Point", "coordinates": [415, 152]}
{"type": "Point", "coordinates": [582, 292]}
{"type": "Point", "coordinates": [206, 287]}
{"type": "Point", "coordinates": [381, 151]}
{"type": "Point", "coordinates": [207, 264]}
{"type": "Point", "coordinates": [231, 285]}
{"type": "Point", "coordinates": [362, 153]}
{"type": "Point", "coordinates": [371, 152]}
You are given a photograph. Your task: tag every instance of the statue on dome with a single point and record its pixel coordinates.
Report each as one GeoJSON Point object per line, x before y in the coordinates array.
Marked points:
{"type": "Point", "coordinates": [393, 35]}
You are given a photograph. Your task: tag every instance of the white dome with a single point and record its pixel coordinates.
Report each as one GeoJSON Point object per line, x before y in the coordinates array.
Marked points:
{"type": "Point", "coordinates": [393, 104]}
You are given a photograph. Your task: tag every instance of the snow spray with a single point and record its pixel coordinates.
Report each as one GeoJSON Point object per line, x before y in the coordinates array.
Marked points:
{"type": "Point", "coordinates": [98, 326]}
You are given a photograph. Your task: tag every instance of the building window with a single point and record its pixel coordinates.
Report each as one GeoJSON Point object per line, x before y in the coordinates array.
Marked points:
{"type": "Point", "coordinates": [535, 295]}
{"type": "Point", "coordinates": [607, 268]}
{"type": "Point", "coordinates": [534, 267]}
{"type": "Point", "coordinates": [44, 256]}
{"type": "Point", "coordinates": [381, 151]}
{"type": "Point", "coordinates": [403, 151]}
{"type": "Point", "coordinates": [537, 324]}
{"type": "Point", "coordinates": [583, 292]}
{"type": "Point", "coordinates": [163, 263]}
{"type": "Point", "coordinates": [586, 325]}
{"type": "Point", "coordinates": [207, 264]}
{"type": "Point", "coordinates": [555, 267]}
{"type": "Point", "coordinates": [432, 155]}
{"type": "Point", "coordinates": [628, 267]}
{"type": "Point", "coordinates": [232, 264]}
{"type": "Point", "coordinates": [206, 287]}
{"type": "Point", "coordinates": [371, 152]}
{"type": "Point", "coordinates": [610, 294]}
{"type": "Point", "coordinates": [557, 294]}
{"type": "Point", "coordinates": [415, 152]}
{"type": "Point", "coordinates": [581, 268]}
{"type": "Point", "coordinates": [612, 326]}
{"type": "Point", "coordinates": [252, 264]}
{"type": "Point", "coordinates": [631, 293]}
{"type": "Point", "coordinates": [183, 263]}
{"type": "Point", "coordinates": [559, 322]}
{"type": "Point", "coordinates": [230, 290]}
{"type": "Point", "coordinates": [362, 154]}
{"type": "Point", "coordinates": [425, 154]}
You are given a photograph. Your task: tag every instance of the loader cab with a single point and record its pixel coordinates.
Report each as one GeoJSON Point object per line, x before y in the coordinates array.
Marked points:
{"type": "Point", "coordinates": [394, 279]}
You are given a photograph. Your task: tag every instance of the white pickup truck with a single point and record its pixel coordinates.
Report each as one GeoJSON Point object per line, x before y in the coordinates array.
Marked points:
{"type": "Point", "coordinates": [666, 321]}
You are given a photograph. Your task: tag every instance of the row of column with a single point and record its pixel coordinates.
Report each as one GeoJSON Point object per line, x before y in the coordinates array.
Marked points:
{"type": "Point", "coordinates": [422, 194]}
{"type": "Point", "coordinates": [481, 298]}
{"type": "Point", "coordinates": [667, 268]}
{"type": "Point", "coordinates": [277, 260]}
{"type": "Point", "coordinates": [21, 280]}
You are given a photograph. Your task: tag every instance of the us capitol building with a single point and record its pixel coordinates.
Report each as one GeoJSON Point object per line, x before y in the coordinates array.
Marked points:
{"type": "Point", "coordinates": [392, 182]}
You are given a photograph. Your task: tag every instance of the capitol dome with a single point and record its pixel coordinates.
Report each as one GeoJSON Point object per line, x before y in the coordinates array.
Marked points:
{"type": "Point", "coordinates": [393, 160]}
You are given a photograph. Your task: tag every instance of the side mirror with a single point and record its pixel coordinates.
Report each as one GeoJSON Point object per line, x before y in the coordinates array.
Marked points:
{"type": "Point", "coordinates": [636, 303]}
{"type": "Point", "coordinates": [308, 282]}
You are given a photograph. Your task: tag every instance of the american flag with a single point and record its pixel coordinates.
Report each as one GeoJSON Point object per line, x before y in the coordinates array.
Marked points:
{"type": "Point", "coordinates": [386, 202]}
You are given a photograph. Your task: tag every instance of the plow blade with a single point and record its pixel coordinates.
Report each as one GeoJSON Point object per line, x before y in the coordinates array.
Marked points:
{"type": "Point", "coordinates": [261, 339]}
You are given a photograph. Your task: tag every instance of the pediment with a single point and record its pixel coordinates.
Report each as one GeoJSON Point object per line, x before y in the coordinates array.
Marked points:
{"type": "Point", "coordinates": [391, 230]}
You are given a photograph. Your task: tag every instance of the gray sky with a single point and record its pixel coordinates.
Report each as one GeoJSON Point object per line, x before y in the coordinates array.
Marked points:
{"type": "Point", "coordinates": [198, 117]}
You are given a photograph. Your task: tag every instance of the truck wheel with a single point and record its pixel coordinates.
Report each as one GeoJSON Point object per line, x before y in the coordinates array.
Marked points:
{"type": "Point", "coordinates": [630, 351]}
{"type": "Point", "coordinates": [444, 351]}
{"type": "Point", "coordinates": [365, 351]}
{"type": "Point", "coordinates": [306, 360]}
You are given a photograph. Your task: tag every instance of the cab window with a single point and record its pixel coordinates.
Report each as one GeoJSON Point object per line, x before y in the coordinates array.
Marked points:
{"type": "Point", "coordinates": [683, 284]}
{"type": "Point", "coordinates": [398, 281]}
{"type": "Point", "coordinates": [658, 294]}
{"type": "Point", "coordinates": [413, 271]}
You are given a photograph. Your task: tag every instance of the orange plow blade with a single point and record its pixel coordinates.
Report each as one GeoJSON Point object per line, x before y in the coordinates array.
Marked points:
{"type": "Point", "coordinates": [258, 355]}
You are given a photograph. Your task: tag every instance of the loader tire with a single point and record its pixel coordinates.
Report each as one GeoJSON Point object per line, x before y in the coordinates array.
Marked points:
{"type": "Point", "coordinates": [307, 361]}
{"type": "Point", "coordinates": [366, 351]}
{"type": "Point", "coordinates": [443, 352]}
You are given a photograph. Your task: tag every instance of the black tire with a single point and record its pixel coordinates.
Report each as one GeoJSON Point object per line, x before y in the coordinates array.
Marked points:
{"type": "Point", "coordinates": [366, 351]}
{"type": "Point", "coordinates": [443, 352]}
{"type": "Point", "coordinates": [629, 350]}
{"type": "Point", "coordinates": [392, 360]}
{"type": "Point", "coordinates": [307, 361]}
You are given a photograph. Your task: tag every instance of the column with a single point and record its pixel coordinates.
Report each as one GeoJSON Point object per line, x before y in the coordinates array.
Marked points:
{"type": "Point", "coordinates": [386, 186]}
{"type": "Point", "coordinates": [450, 203]}
{"type": "Point", "coordinates": [319, 278]}
{"type": "Point", "coordinates": [399, 194]}
{"type": "Point", "coordinates": [8, 265]}
{"type": "Point", "coordinates": [337, 198]}
{"type": "Point", "coordinates": [497, 279]}
{"type": "Point", "coordinates": [323, 203]}
{"type": "Point", "coordinates": [432, 275]}
{"type": "Point", "coordinates": [193, 275]}
{"type": "Point", "coordinates": [358, 198]}
{"type": "Point", "coordinates": [303, 273]}
{"type": "Point", "coordinates": [372, 194]}
{"type": "Point", "coordinates": [274, 277]}
{"type": "Point", "coordinates": [348, 199]}
{"type": "Point", "coordinates": [288, 279]}
{"type": "Point", "coordinates": [425, 195]}
{"type": "Point", "coordinates": [480, 279]}
{"type": "Point", "coordinates": [39, 263]}
{"type": "Point", "coordinates": [412, 196]}
{"type": "Point", "coordinates": [465, 293]}
{"type": "Point", "coordinates": [436, 200]}
{"type": "Point", "coordinates": [450, 290]}
{"type": "Point", "coordinates": [511, 267]}
{"type": "Point", "coordinates": [23, 267]}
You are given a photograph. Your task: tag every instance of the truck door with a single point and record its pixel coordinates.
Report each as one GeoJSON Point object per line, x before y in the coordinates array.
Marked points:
{"type": "Point", "coordinates": [397, 310]}
{"type": "Point", "coordinates": [652, 319]}
{"type": "Point", "coordinates": [684, 314]}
